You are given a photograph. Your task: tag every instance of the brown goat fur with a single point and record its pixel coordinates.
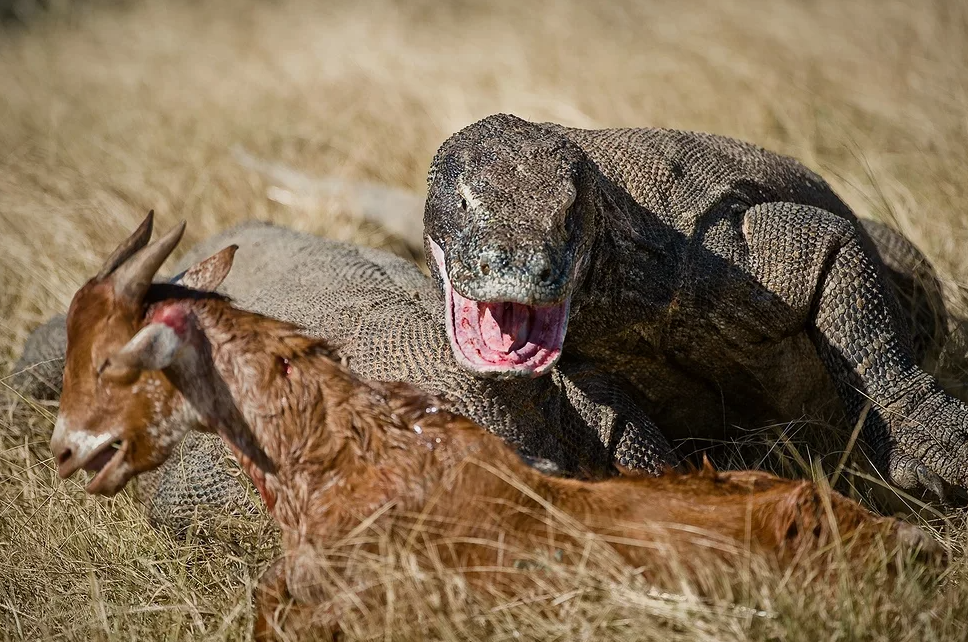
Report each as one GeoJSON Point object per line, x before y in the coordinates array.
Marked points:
{"type": "Point", "coordinates": [332, 454]}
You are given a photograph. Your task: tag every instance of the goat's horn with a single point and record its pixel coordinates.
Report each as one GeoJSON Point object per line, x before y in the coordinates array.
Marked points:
{"type": "Point", "coordinates": [132, 244]}
{"type": "Point", "coordinates": [132, 279]}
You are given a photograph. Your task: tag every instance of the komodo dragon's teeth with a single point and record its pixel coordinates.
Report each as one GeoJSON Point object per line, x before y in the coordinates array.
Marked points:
{"type": "Point", "coordinates": [501, 337]}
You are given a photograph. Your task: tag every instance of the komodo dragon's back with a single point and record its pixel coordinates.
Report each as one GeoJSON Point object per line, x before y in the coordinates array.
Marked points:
{"type": "Point", "coordinates": [681, 175]}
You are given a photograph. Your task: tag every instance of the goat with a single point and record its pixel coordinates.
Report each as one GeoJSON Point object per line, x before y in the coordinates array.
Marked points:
{"type": "Point", "coordinates": [331, 453]}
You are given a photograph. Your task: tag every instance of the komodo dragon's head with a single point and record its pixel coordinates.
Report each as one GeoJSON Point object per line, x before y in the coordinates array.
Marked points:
{"type": "Point", "coordinates": [508, 225]}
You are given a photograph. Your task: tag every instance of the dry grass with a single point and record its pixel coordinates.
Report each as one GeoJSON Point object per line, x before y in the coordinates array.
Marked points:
{"type": "Point", "coordinates": [110, 110]}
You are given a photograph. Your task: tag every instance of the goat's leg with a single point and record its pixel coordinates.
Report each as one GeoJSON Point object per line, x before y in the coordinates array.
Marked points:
{"type": "Point", "coordinates": [279, 616]}
{"type": "Point", "coordinates": [270, 598]}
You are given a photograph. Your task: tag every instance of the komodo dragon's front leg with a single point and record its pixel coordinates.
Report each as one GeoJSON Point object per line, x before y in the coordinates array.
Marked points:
{"type": "Point", "coordinates": [602, 401]}
{"type": "Point", "coordinates": [915, 430]}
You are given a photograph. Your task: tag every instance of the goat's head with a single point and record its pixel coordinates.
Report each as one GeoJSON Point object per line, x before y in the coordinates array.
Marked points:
{"type": "Point", "coordinates": [120, 414]}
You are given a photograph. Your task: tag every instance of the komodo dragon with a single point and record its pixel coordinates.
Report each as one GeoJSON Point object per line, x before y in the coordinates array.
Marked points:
{"type": "Point", "coordinates": [381, 314]}
{"type": "Point", "coordinates": [500, 409]}
{"type": "Point", "coordinates": [729, 284]}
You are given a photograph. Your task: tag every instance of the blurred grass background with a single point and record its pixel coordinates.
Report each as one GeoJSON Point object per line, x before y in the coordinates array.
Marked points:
{"type": "Point", "coordinates": [108, 109]}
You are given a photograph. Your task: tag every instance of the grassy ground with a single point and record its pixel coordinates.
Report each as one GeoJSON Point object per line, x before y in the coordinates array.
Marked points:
{"type": "Point", "coordinates": [109, 109]}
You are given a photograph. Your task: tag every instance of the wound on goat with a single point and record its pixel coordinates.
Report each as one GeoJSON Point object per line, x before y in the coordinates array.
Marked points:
{"type": "Point", "coordinates": [284, 366]}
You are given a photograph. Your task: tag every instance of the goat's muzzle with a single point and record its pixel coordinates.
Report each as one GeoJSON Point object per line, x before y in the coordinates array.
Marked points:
{"type": "Point", "coordinates": [102, 454]}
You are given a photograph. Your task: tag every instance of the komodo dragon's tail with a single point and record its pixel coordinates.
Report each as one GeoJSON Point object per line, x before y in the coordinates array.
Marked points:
{"type": "Point", "coordinates": [398, 211]}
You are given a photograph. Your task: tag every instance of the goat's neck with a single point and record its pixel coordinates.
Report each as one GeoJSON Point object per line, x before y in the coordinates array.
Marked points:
{"type": "Point", "coordinates": [291, 415]}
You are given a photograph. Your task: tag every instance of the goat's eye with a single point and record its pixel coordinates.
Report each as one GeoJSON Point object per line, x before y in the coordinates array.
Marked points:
{"type": "Point", "coordinates": [100, 368]}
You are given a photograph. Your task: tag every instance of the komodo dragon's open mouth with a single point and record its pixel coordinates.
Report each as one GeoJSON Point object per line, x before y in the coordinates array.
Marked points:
{"type": "Point", "coordinates": [500, 338]}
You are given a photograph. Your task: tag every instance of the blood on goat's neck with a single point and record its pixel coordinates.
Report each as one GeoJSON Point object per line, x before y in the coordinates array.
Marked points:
{"type": "Point", "coordinates": [241, 375]}
{"type": "Point", "coordinates": [199, 380]}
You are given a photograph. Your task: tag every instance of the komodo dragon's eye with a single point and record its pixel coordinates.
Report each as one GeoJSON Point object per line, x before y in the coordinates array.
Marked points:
{"type": "Point", "coordinates": [463, 203]}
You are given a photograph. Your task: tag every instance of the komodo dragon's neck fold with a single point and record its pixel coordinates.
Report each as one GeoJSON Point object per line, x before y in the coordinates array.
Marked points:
{"type": "Point", "coordinates": [627, 242]}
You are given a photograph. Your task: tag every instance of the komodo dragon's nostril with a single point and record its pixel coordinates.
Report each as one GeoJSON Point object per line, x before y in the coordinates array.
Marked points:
{"type": "Point", "coordinates": [545, 274]}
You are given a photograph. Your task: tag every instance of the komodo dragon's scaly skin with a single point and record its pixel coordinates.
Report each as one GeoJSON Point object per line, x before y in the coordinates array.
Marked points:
{"type": "Point", "coordinates": [345, 292]}
{"type": "Point", "coordinates": [382, 315]}
{"type": "Point", "coordinates": [729, 284]}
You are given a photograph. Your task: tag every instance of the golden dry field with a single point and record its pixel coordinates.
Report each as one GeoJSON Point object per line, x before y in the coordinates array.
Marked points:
{"type": "Point", "coordinates": [108, 109]}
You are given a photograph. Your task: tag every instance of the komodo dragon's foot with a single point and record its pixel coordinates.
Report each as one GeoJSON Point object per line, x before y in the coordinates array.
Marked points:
{"type": "Point", "coordinates": [921, 440]}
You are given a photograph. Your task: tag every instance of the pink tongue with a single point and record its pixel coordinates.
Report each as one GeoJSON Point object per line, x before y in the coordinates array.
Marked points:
{"type": "Point", "coordinates": [100, 460]}
{"type": "Point", "coordinates": [504, 326]}
{"type": "Point", "coordinates": [505, 338]}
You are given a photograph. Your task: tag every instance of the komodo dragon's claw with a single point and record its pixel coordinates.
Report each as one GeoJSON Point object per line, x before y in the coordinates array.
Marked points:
{"type": "Point", "coordinates": [931, 481]}
{"type": "Point", "coordinates": [909, 473]}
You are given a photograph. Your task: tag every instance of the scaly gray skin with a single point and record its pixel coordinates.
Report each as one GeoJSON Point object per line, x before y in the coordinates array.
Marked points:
{"type": "Point", "coordinates": [383, 317]}
{"type": "Point", "coordinates": [261, 279]}
{"type": "Point", "coordinates": [729, 284]}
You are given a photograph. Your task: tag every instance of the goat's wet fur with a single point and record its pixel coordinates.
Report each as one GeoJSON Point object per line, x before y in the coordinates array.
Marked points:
{"type": "Point", "coordinates": [346, 465]}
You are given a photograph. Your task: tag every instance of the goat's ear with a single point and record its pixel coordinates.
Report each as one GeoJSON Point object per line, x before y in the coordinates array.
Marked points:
{"type": "Point", "coordinates": [155, 347]}
{"type": "Point", "coordinates": [207, 275]}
